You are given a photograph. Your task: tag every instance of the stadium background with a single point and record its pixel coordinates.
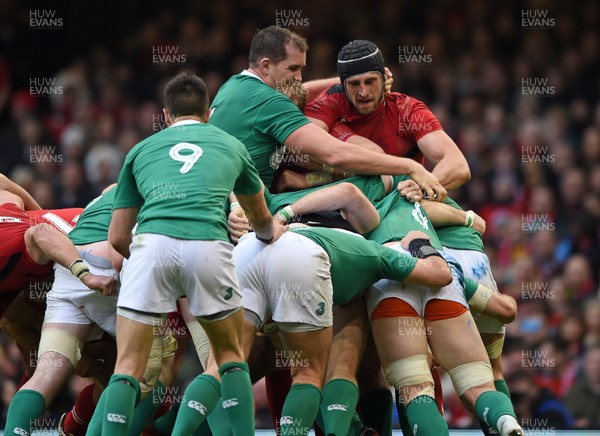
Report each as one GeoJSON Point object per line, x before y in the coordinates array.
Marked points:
{"type": "Point", "coordinates": [515, 84]}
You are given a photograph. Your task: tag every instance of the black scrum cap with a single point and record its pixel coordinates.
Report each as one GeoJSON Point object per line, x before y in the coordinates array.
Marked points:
{"type": "Point", "coordinates": [358, 57]}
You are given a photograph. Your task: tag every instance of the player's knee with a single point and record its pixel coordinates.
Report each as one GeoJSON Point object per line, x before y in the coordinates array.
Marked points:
{"type": "Point", "coordinates": [349, 190]}
{"type": "Point", "coordinates": [62, 343]}
{"type": "Point", "coordinates": [472, 375]}
{"type": "Point", "coordinates": [411, 376]}
{"type": "Point", "coordinates": [494, 350]}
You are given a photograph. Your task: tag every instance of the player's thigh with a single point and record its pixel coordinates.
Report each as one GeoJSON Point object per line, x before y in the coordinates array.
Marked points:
{"type": "Point", "coordinates": [399, 338]}
{"type": "Point", "coordinates": [456, 341]}
{"type": "Point", "coordinates": [306, 353]}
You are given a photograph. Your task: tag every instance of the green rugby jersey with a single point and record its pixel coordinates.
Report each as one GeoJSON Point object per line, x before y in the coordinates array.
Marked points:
{"type": "Point", "coordinates": [357, 263]}
{"type": "Point", "coordinates": [459, 237]}
{"type": "Point", "coordinates": [399, 216]}
{"type": "Point", "coordinates": [180, 179]}
{"type": "Point", "coordinates": [371, 186]}
{"type": "Point", "coordinates": [92, 225]}
{"type": "Point", "coordinates": [259, 116]}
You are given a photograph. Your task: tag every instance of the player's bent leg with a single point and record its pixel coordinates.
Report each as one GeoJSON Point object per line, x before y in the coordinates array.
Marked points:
{"type": "Point", "coordinates": [340, 392]}
{"type": "Point", "coordinates": [60, 350]}
{"type": "Point", "coordinates": [225, 334]}
{"type": "Point", "coordinates": [306, 352]}
{"type": "Point", "coordinates": [464, 357]}
{"type": "Point", "coordinates": [402, 346]}
{"type": "Point", "coordinates": [21, 321]}
{"type": "Point", "coordinates": [376, 403]}
{"type": "Point", "coordinates": [157, 389]}
{"type": "Point", "coordinates": [134, 342]}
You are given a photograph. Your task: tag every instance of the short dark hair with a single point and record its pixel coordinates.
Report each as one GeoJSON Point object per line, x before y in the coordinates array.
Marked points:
{"type": "Point", "coordinates": [186, 94]}
{"type": "Point", "coordinates": [271, 43]}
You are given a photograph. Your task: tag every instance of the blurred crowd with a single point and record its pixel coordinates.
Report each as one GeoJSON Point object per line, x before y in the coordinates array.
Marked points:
{"type": "Point", "coordinates": [520, 97]}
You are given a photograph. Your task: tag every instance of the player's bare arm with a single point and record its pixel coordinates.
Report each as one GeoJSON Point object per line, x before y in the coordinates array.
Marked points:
{"type": "Point", "coordinates": [431, 270]}
{"type": "Point", "coordinates": [483, 300]}
{"type": "Point", "coordinates": [451, 167]}
{"type": "Point", "coordinates": [442, 215]}
{"type": "Point", "coordinates": [119, 231]}
{"type": "Point", "coordinates": [259, 217]}
{"type": "Point", "coordinates": [10, 192]}
{"type": "Point", "coordinates": [45, 243]}
{"type": "Point", "coordinates": [346, 197]}
{"type": "Point", "coordinates": [351, 158]}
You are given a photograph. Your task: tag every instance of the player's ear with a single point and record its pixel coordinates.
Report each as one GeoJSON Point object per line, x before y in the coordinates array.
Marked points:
{"type": "Point", "coordinates": [264, 64]}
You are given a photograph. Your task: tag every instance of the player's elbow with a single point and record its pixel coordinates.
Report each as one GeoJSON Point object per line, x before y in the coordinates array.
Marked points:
{"type": "Point", "coordinates": [506, 309]}
{"type": "Point", "coordinates": [438, 273]}
{"type": "Point", "coordinates": [464, 173]}
{"type": "Point", "coordinates": [444, 277]}
{"type": "Point", "coordinates": [38, 234]}
{"type": "Point", "coordinates": [119, 242]}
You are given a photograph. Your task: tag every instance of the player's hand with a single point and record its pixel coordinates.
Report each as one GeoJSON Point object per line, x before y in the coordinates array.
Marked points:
{"type": "Point", "coordinates": [429, 184]}
{"type": "Point", "coordinates": [410, 190]}
{"type": "Point", "coordinates": [237, 224]}
{"type": "Point", "coordinates": [105, 284]}
{"type": "Point", "coordinates": [389, 80]}
{"type": "Point", "coordinates": [410, 236]}
{"type": "Point", "coordinates": [479, 224]}
{"type": "Point", "coordinates": [278, 229]}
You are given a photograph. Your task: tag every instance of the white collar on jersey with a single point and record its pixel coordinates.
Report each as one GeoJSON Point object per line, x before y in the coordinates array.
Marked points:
{"type": "Point", "coordinates": [251, 74]}
{"type": "Point", "coordinates": [184, 122]}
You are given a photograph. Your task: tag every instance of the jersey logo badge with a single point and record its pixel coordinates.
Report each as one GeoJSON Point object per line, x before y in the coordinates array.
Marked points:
{"type": "Point", "coordinates": [320, 309]}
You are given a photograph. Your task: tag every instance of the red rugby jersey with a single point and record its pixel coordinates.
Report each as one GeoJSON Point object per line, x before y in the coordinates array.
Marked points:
{"type": "Point", "coordinates": [396, 125]}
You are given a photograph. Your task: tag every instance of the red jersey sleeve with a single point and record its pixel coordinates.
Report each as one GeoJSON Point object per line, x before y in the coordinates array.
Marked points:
{"type": "Point", "coordinates": [61, 219]}
{"type": "Point", "coordinates": [417, 120]}
{"type": "Point", "coordinates": [330, 106]}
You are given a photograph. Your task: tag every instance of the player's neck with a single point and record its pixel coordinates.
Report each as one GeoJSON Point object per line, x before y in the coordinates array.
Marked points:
{"type": "Point", "coordinates": [186, 118]}
{"type": "Point", "coordinates": [257, 74]}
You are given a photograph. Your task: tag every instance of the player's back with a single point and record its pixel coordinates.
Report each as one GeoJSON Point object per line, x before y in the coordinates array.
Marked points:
{"type": "Point", "coordinates": [183, 176]}
{"type": "Point", "coordinates": [398, 216]}
{"type": "Point", "coordinates": [259, 116]}
{"type": "Point", "coordinates": [356, 263]}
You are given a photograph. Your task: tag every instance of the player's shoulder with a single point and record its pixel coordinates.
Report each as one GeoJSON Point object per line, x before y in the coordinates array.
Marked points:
{"type": "Point", "coordinates": [335, 90]}
{"type": "Point", "coordinates": [332, 97]}
{"type": "Point", "coordinates": [223, 136]}
{"type": "Point", "coordinates": [403, 101]}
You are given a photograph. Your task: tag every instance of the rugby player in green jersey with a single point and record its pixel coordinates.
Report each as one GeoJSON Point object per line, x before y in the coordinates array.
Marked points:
{"type": "Point", "coordinates": [249, 107]}
{"type": "Point", "coordinates": [296, 281]}
{"type": "Point", "coordinates": [174, 185]}
{"type": "Point", "coordinates": [406, 321]}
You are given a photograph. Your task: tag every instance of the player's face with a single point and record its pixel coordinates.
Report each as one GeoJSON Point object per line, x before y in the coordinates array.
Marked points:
{"type": "Point", "coordinates": [287, 71]}
{"type": "Point", "coordinates": [364, 92]}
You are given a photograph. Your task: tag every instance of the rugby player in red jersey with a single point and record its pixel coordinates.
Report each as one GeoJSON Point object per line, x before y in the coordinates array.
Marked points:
{"type": "Point", "coordinates": [20, 268]}
{"type": "Point", "coordinates": [401, 125]}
